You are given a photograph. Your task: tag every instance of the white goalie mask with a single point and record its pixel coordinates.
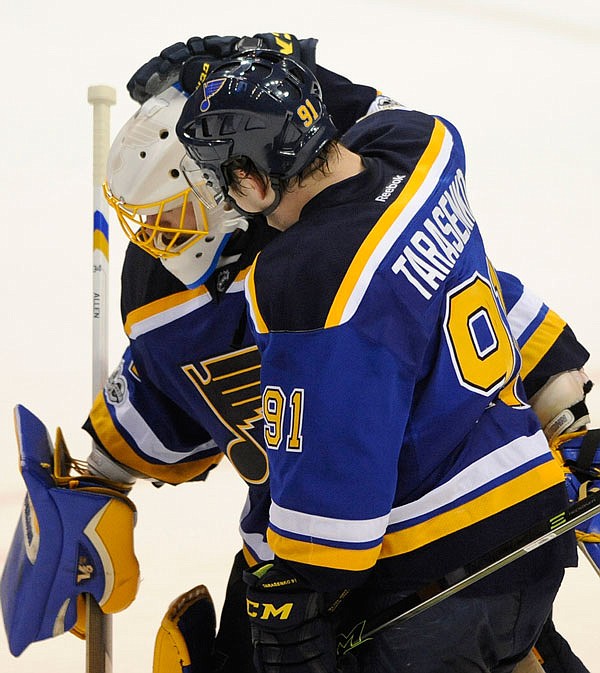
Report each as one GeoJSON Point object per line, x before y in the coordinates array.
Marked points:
{"type": "Point", "coordinates": [156, 206]}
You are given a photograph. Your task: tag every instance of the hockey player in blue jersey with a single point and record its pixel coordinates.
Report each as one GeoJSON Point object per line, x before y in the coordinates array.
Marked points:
{"type": "Point", "coordinates": [136, 414]}
{"type": "Point", "coordinates": [144, 170]}
{"type": "Point", "coordinates": [399, 441]}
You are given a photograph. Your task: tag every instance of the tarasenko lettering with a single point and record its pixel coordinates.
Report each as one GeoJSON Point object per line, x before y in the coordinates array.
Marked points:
{"type": "Point", "coordinates": [433, 249]}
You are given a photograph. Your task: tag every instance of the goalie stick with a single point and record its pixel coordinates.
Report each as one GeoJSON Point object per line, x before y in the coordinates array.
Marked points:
{"type": "Point", "coordinates": [462, 577]}
{"type": "Point", "coordinates": [101, 97]}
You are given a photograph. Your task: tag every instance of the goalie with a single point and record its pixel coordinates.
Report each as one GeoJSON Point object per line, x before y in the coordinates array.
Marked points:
{"type": "Point", "coordinates": [163, 414]}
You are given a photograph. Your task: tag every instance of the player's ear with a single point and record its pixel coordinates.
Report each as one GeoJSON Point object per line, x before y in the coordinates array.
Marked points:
{"type": "Point", "coordinates": [249, 180]}
{"type": "Point", "coordinates": [255, 191]}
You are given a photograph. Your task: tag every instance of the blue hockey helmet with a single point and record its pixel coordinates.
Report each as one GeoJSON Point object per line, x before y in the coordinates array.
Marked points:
{"type": "Point", "coordinates": [260, 105]}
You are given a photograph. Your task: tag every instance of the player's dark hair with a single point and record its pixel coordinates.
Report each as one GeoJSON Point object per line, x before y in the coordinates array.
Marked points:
{"type": "Point", "coordinates": [239, 167]}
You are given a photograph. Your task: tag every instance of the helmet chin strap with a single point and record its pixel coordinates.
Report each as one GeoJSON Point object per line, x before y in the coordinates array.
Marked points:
{"type": "Point", "coordinates": [276, 187]}
{"type": "Point", "coordinates": [269, 209]}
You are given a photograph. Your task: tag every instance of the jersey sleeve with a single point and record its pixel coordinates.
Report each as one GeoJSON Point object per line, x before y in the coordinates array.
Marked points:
{"type": "Point", "coordinates": [133, 418]}
{"type": "Point", "coordinates": [333, 534]}
{"type": "Point", "coordinates": [547, 343]}
{"type": "Point", "coordinates": [144, 430]}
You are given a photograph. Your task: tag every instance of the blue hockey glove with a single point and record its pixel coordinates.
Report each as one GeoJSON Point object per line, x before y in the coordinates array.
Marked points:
{"type": "Point", "coordinates": [196, 69]}
{"type": "Point", "coordinates": [292, 631]}
{"type": "Point", "coordinates": [162, 71]}
{"type": "Point", "coordinates": [302, 50]}
{"type": "Point", "coordinates": [200, 54]}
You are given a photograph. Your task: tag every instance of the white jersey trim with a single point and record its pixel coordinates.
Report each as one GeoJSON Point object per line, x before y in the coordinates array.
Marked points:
{"type": "Point", "coordinates": [174, 313]}
{"type": "Point", "coordinates": [401, 222]}
{"type": "Point", "coordinates": [169, 315]}
{"type": "Point", "coordinates": [325, 528]}
{"type": "Point", "coordinates": [255, 541]}
{"type": "Point", "coordinates": [145, 439]}
{"type": "Point", "coordinates": [499, 462]}
{"type": "Point", "coordinates": [523, 313]}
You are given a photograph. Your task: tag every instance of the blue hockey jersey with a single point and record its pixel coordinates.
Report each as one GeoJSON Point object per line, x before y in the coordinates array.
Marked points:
{"type": "Point", "coordinates": [187, 390]}
{"type": "Point", "coordinates": [159, 414]}
{"type": "Point", "coordinates": [396, 424]}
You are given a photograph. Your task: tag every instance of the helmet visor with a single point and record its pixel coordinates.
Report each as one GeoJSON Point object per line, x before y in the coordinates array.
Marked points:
{"type": "Point", "coordinates": [203, 182]}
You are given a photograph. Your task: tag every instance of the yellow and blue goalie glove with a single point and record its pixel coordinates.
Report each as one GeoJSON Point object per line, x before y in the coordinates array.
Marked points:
{"type": "Point", "coordinates": [579, 454]}
{"type": "Point", "coordinates": [74, 536]}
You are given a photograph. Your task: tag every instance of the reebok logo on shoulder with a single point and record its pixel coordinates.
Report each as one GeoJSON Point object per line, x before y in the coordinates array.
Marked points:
{"type": "Point", "coordinates": [390, 188]}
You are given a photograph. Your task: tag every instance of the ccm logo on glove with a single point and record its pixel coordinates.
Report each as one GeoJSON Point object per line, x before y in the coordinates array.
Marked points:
{"type": "Point", "coordinates": [268, 610]}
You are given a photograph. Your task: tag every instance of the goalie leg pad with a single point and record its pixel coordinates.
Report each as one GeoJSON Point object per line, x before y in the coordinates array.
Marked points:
{"type": "Point", "coordinates": [185, 640]}
{"type": "Point", "coordinates": [68, 541]}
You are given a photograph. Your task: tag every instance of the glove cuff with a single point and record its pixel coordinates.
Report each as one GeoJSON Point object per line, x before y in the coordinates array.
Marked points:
{"type": "Point", "coordinates": [101, 465]}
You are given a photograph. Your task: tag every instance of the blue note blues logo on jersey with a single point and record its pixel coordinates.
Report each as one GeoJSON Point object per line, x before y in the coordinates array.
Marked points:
{"type": "Point", "coordinates": [210, 89]}
{"type": "Point", "coordinates": [230, 385]}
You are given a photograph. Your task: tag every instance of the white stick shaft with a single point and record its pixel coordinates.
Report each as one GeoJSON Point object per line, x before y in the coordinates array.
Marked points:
{"type": "Point", "coordinates": [99, 625]}
{"type": "Point", "coordinates": [101, 97]}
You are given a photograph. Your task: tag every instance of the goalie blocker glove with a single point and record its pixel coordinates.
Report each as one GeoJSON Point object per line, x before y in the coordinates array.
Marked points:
{"type": "Point", "coordinates": [199, 54]}
{"type": "Point", "coordinates": [293, 629]}
{"type": "Point", "coordinates": [74, 537]}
